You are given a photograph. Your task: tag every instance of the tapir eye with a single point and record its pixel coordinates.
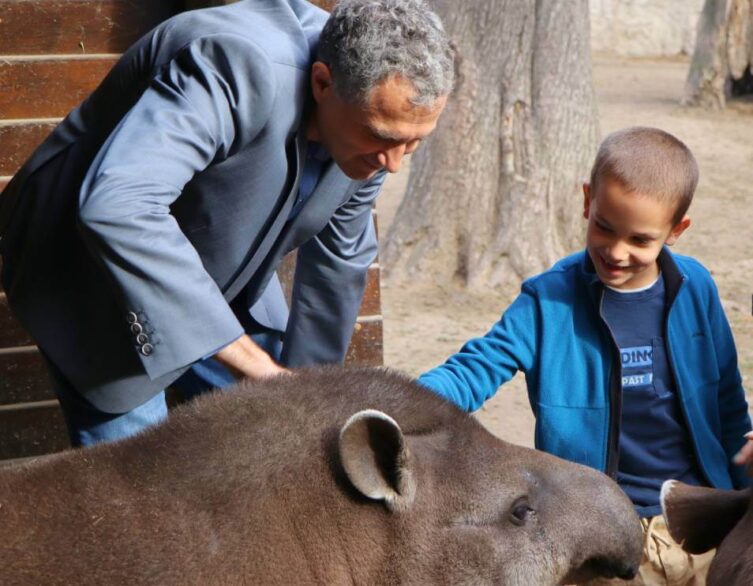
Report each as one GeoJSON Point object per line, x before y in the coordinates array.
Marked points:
{"type": "Point", "coordinates": [520, 511]}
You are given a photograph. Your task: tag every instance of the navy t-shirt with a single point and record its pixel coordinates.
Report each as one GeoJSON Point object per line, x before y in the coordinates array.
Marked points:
{"type": "Point", "coordinates": [654, 441]}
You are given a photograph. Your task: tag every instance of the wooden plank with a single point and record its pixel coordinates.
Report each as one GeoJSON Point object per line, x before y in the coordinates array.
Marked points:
{"type": "Point", "coordinates": [32, 431]}
{"type": "Point", "coordinates": [366, 347]}
{"type": "Point", "coordinates": [78, 26]}
{"type": "Point", "coordinates": [48, 88]}
{"type": "Point", "coordinates": [371, 303]}
{"type": "Point", "coordinates": [325, 4]}
{"type": "Point", "coordinates": [194, 4]}
{"type": "Point", "coordinates": [23, 377]}
{"type": "Point", "coordinates": [286, 273]}
{"type": "Point", "coordinates": [19, 139]}
{"type": "Point", "coordinates": [12, 333]}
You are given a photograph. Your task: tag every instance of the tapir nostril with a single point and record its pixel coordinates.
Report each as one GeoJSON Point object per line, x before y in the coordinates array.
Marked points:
{"type": "Point", "coordinates": [614, 569]}
{"type": "Point", "coordinates": [628, 573]}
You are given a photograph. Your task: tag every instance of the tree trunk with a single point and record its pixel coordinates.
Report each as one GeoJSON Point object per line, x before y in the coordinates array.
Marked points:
{"type": "Point", "coordinates": [723, 56]}
{"type": "Point", "coordinates": [494, 194]}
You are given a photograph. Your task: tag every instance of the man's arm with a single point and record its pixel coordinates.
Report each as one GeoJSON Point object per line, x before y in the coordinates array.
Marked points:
{"type": "Point", "coordinates": [185, 120]}
{"type": "Point", "coordinates": [473, 375]}
{"type": "Point", "coordinates": [329, 282]}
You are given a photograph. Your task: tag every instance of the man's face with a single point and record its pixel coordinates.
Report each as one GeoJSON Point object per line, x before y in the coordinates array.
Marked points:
{"type": "Point", "coordinates": [364, 139]}
{"type": "Point", "coordinates": [626, 232]}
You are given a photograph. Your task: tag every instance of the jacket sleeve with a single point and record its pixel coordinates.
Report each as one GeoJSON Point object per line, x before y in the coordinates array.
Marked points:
{"type": "Point", "coordinates": [733, 407]}
{"type": "Point", "coordinates": [329, 282]}
{"type": "Point", "coordinates": [214, 95]}
{"type": "Point", "coordinates": [474, 374]}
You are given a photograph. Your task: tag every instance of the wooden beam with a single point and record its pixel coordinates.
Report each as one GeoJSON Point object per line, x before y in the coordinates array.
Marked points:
{"type": "Point", "coordinates": [11, 332]}
{"type": "Point", "coordinates": [18, 138]}
{"type": "Point", "coordinates": [49, 87]}
{"type": "Point", "coordinates": [26, 432]}
{"type": "Point", "coordinates": [23, 376]}
{"type": "Point", "coordinates": [78, 26]}
{"type": "Point", "coordinates": [366, 345]}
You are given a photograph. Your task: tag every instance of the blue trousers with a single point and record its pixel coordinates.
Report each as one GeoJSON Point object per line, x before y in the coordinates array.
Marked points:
{"type": "Point", "coordinates": [88, 425]}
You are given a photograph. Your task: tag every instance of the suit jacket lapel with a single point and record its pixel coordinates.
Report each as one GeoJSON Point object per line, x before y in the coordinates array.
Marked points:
{"type": "Point", "coordinates": [257, 257]}
{"type": "Point", "coordinates": [333, 189]}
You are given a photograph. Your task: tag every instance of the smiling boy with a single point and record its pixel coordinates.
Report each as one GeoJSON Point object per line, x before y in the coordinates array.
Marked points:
{"type": "Point", "coordinates": [629, 360]}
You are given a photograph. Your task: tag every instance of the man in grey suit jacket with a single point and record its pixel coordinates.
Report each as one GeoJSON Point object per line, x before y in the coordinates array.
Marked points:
{"type": "Point", "coordinates": [142, 236]}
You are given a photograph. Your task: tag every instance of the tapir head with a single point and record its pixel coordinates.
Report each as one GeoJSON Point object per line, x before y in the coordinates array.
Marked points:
{"type": "Point", "coordinates": [472, 509]}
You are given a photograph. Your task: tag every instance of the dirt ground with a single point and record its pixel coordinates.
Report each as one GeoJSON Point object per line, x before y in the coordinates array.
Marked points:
{"type": "Point", "coordinates": [424, 325]}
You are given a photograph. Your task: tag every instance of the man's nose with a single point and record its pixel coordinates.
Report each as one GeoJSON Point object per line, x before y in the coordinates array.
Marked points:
{"type": "Point", "coordinates": [392, 158]}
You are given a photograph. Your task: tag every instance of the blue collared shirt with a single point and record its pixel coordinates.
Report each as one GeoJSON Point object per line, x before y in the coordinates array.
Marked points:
{"type": "Point", "coordinates": [317, 158]}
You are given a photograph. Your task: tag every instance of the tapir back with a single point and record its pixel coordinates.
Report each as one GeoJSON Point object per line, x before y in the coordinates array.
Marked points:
{"type": "Point", "coordinates": [214, 495]}
{"type": "Point", "coordinates": [249, 487]}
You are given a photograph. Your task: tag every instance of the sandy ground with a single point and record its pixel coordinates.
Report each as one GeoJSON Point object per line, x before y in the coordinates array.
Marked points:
{"type": "Point", "coordinates": [424, 325]}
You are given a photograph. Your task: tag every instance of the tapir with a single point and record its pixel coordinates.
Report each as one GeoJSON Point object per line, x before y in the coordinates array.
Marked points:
{"type": "Point", "coordinates": [701, 519]}
{"type": "Point", "coordinates": [327, 476]}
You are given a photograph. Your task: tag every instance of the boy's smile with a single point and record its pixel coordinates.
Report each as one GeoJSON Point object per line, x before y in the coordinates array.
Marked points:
{"type": "Point", "coordinates": [626, 232]}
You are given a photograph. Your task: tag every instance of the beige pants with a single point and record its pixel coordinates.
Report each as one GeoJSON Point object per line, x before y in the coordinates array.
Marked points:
{"type": "Point", "coordinates": [664, 562]}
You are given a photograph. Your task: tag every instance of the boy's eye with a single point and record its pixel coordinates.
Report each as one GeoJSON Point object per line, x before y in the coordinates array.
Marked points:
{"type": "Point", "coordinates": [602, 227]}
{"type": "Point", "coordinates": [641, 241]}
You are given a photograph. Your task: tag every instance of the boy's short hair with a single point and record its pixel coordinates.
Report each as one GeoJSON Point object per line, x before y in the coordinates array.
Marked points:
{"type": "Point", "coordinates": [651, 162]}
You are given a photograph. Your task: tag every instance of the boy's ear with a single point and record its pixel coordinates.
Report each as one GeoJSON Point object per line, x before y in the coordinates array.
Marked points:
{"type": "Point", "coordinates": [677, 230]}
{"type": "Point", "coordinates": [586, 199]}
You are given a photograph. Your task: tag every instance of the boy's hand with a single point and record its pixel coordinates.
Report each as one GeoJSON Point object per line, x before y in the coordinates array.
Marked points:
{"type": "Point", "coordinates": [745, 456]}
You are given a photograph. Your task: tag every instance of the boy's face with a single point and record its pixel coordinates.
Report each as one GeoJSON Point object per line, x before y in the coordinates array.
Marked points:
{"type": "Point", "coordinates": [626, 232]}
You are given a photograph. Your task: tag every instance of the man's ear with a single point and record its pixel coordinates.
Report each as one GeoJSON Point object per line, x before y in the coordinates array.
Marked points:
{"type": "Point", "coordinates": [586, 199]}
{"type": "Point", "coordinates": [677, 230]}
{"type": "Point", "coordinates": [321, 80]}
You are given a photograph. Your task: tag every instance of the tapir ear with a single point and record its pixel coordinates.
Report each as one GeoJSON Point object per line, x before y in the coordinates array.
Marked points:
{"type": "Point", "coordinates": [376, 459]}
{"type": "Point", "coordinates": [700, 518]}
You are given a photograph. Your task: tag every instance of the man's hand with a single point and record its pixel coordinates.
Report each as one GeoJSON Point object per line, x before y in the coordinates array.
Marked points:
{"type": "Point", "coordinates": [246, 359]}
{"type": "Point", "coordinates": [745, 456]}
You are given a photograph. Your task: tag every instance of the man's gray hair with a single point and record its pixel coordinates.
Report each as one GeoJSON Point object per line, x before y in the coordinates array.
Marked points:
{"type": "Point", "coordinates": [367, 41]}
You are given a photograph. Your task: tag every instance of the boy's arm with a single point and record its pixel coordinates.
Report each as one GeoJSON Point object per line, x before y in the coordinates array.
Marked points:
{"type": "Point", "coordinates": [733, 407]}
{"type": "Point", "coordinates": [474, 374]}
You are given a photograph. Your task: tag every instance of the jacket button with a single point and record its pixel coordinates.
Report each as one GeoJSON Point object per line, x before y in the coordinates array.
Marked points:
{"type": "Point", "coordinates": [136, 328]}
{"type": "Point", "coordinates": [147, 349]}
{"type": "Point", "coordinates": [132, 317]}
{"type": "Point", "coordinates": [142, 339]}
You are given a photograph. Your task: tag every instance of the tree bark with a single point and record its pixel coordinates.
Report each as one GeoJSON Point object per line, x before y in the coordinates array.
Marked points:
{"type": "Point", "coordinates": [723, 53]}
{"type": "Point", "coordinates": [494, 193]}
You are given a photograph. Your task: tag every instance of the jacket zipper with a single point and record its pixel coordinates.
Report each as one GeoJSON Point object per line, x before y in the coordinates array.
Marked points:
{"type": "Point", "coordinates": [671, 360]}
{"type": "Point", "coordinates": [615, 400]}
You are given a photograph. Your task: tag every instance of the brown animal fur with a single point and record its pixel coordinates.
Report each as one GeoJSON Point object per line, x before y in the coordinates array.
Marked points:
{"type": "Point", "coordinates": [248, 487]}
{"type": "Point", "coordinates": [702, 519]}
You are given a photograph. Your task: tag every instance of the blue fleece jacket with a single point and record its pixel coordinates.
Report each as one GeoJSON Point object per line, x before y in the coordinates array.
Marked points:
{"type": "Point", "coordinates": [554, 332]}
